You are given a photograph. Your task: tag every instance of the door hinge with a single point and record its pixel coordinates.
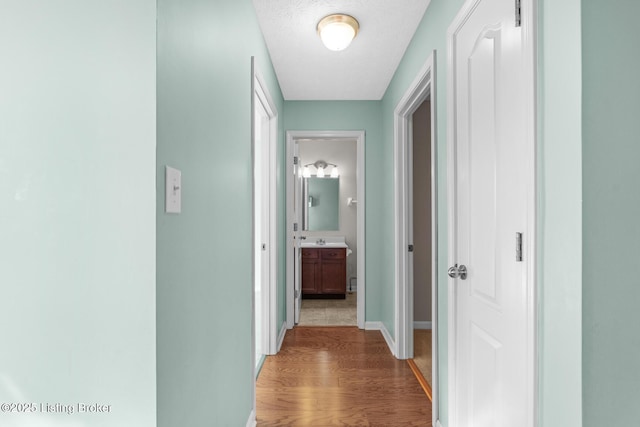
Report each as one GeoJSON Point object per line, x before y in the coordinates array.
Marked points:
{"type": "Point", "coordinates": [519, 247]}
{"type": "Point", "coordinates": [410, 248]}
{"type": "Point", "coordinates": [518, 14]}
{"type": "Point", "coordinates": [295, 226]}
{"type": "Point", "coordinates": [295, 160]}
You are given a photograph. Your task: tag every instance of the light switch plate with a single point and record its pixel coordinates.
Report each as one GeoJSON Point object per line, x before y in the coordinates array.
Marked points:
{"type": "Point", "coordinates": [173, 190]}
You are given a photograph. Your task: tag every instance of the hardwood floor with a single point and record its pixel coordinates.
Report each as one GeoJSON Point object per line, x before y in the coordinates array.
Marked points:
{"type": "Point", "coordinates": [338, 376]}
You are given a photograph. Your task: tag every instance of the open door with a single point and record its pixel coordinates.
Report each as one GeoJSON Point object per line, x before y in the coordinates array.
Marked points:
{"type": "Point", "coordinates": [264, 133]}
{"type": "Point", "coordinates": [491, 217]}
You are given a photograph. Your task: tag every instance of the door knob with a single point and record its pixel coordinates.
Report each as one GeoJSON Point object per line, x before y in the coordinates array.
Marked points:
{"type": "Point", "coordinates": [456, 271]}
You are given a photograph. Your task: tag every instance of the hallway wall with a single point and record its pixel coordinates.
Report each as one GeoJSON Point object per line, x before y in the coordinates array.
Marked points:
{"type": "Point", "coordinates": [559, 225]}
{"type": "Point", "coordinates": [77, 210]}
{"type": "Point", "coordinates": [205, 282]}
{"type": "Point", "coordinates": [611, 230]}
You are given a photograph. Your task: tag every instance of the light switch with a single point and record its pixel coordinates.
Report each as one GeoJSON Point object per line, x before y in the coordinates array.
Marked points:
{"type": "Point", "coordinates": [173, 190]}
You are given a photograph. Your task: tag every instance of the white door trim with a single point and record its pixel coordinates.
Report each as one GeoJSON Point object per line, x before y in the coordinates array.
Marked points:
{"type": "Point", "coordinates": [359, 136]}
{"type": "Point", "coordinates": [423, 87]}
{"type": "Point", "coordinates": [529, 20]}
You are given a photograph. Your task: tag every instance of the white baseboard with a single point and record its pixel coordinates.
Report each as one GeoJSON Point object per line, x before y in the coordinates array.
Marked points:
{"type": "Point", "coordinates": [379, 326]}
{"type": "Point", "coordinates": [419, 324]}
{"type": "Point", "coordinates": [251, 422]}
{"type": "Point", "coordinates": [283, 331]}
{"type": "Point", "coordinates": [259, 364]}
{"type": "Point", "coordinates": [438, 424]}
{"type": "Point", "coordinates": [373, 326]}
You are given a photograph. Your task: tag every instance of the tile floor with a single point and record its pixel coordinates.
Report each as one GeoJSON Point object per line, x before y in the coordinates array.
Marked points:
{"type": "Point", "coordinates": [329, 312]}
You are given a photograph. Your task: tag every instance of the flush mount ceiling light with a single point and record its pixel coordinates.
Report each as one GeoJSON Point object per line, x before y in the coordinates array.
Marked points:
{"type": "Point", "coordinates": [337, 31]}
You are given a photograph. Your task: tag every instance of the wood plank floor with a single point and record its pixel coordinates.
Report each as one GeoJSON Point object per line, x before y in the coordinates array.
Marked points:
{"type": "Point", "coordinates": [338, 376]}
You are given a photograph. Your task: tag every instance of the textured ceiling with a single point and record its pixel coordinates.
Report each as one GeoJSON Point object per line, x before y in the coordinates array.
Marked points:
{"type": "Point", "coordinates": [307, 70]}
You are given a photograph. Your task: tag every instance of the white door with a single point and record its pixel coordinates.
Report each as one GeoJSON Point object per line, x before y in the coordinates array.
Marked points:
{"type": "Point", "coordinates": [491, 154]}
{"type": "Point", "coordinates": [297, 252]}
{"type": "Point", "coordinates": [262, 231]}
{"type": "Point", "coordinates": [265, 125]}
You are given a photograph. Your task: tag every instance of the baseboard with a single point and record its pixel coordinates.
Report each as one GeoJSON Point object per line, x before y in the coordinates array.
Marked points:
{"type": "Point", "coordinates": [251, 422]}
{"type": "Point", "coordinates": [373, 326]}
{"type": "Point", "coordinates": [259, 365]}
{"type": "Point", "coordinates": [379, 326]}
{"type": "Point", "coordinates": [283, 331]}
{"type": "Point", "coordinates": [438, 423]}
{"type": "Point", "coordinates": [419, 324]}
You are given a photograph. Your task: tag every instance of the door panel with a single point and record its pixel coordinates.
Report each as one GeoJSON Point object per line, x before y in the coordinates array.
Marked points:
{"type": "Point", "coordinates": [486, 357]}
{"type": "Point", "coordinates": [310, 271]}
{"type": "Point", "coordinates": [482, 154]}
{"type": "Point", "coordinates": [333, 276]}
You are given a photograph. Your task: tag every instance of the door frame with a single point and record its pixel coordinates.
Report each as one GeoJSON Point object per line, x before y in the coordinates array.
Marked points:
{"type": "Point", "coordinates": [423, 87]}
{"type": "Point", "coordinates": [293, 136]}
{"type": "Point", "coordinates": [529, 34]}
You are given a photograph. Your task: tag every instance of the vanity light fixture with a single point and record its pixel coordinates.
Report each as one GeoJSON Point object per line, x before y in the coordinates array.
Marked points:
{"type": "Point", "coordinates": [321, 167]}
{"type": "Point", "coordinates": [337, 31]}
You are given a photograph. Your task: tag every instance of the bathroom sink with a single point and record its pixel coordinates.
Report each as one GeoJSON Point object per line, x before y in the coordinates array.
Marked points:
{"type": "Point", "coordinates": [323, 245]}
{"type": "Point", "coordinates": [323, 242]}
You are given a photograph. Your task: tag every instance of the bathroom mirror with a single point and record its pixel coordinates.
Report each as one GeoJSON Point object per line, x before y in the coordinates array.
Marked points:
{"type": "Point", "coordinates": [320, 204]}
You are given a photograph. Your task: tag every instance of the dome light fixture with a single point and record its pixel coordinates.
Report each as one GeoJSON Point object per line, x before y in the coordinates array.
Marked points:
{"type": "Point", "coordinates": [337, 31]}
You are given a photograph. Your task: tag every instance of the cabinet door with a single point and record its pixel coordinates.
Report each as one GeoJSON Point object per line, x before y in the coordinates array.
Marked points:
{"type": "Point", "coordinates": [333, 271]}
{"type": "Point", "coordinates": [310, 272]}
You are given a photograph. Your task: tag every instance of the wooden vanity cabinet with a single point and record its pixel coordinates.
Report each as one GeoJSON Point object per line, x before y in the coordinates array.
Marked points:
{"type": "Point", "coordinates": [324, 272]}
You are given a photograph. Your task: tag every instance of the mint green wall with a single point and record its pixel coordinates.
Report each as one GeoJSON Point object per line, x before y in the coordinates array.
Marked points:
{"type": "Point", "coordinates": [77, 209]}
{"type": "Point", "coordinates": [559, 213]}
{"type": "Point", "coordinates": [431, 34]}
{"type": "Point", "coordinates": [611, 230]}
{"type": "Point", "coordinates": [357, 115]}
{"type": "Point", "coordinates": [204, 254]}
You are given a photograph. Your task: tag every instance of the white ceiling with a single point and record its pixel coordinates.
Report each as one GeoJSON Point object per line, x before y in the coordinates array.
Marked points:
{"type": "Point", "coordinates": [307, 70]}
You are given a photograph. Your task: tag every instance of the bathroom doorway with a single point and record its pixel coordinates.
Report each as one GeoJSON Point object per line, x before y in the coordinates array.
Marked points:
{"type": "Point", "coordinates": [329, 216]}
{"type": "Point", "coordinates": [325, 223]}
